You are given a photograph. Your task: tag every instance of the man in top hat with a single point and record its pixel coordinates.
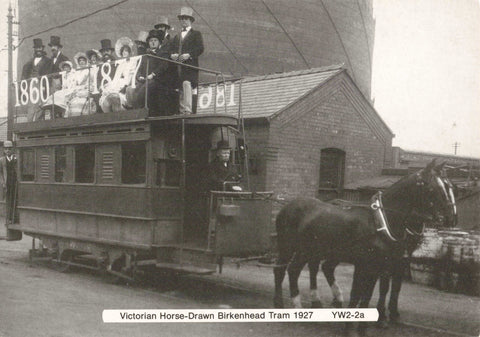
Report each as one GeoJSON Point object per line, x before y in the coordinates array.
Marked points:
{"type": "Point", "coordinates": [8, 179]}
{"type": "Point", "coordinates": [57, 55]}
{"type": "Point", "coordinates": [165, 27]}
{"type": "Point", "coordinates": [40, 64]}
{"type": "Point", "coordinates": [223, 174]}
{"type": "Point", "coordinates": [141, 43]}
{"type": "Point", "coordinates": [107, 50]}
{"type": "Point", "coordinates": [186, 47]}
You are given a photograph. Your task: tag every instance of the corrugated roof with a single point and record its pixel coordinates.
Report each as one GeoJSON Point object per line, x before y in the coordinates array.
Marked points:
{"type": "Point", "coordinates": [262, 96]}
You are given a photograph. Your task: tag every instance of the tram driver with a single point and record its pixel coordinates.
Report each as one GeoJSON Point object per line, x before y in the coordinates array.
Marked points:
{"type": "Point", "coordinates": [223, 174]}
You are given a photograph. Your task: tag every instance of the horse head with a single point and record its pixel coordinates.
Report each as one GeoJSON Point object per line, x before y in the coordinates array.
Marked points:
{"type": "Point", "coordinates": [437, 200]}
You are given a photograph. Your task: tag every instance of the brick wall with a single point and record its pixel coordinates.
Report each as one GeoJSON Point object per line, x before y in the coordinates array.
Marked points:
{"type": "Point", "coordinates": [327, 117]}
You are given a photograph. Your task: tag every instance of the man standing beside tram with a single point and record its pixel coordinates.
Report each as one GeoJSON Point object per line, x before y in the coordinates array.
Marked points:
{"type": "Point", "coordinates": [8, 179]}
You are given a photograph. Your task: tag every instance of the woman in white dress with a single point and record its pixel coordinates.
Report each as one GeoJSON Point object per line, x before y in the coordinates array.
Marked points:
{"type": "Point", "coordinates": [79, 101]}
{"type": "Point", "coordinates": [58, 101]}
{"type": "Point", "coordinates": [113, 97]}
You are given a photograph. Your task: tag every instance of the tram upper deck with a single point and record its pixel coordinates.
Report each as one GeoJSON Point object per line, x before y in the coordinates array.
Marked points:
{"type": "Point", "coordinates": [110, 92]}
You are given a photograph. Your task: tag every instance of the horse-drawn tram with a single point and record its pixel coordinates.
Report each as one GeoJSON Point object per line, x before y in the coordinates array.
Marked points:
{"type": "Point", "coordinates": [121, 190]}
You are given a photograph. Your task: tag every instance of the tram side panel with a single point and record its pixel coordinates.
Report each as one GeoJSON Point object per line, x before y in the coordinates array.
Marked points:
{"type": "Point", "coordinates": [55, 199]}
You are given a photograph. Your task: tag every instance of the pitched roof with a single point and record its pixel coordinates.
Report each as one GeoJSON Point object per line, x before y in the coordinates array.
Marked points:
{"type": "Point", "coordinates": [375, 183]}
{"type": "Point", "coordinates": [262, 96]}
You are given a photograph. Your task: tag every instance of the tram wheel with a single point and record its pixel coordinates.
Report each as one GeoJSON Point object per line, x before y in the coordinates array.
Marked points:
{"type": "Point", "coordinates": [66, 256]}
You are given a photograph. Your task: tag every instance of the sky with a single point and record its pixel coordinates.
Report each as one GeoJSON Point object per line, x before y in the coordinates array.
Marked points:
{"type": "Point", "coordinates": [426, 73]}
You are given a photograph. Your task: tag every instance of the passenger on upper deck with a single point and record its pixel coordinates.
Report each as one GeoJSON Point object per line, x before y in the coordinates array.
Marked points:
{"type": "Point", "coordinates": [165, 27]}
{"type": "Point", "coordinates": [80, 101]}
{"type": "Point", "coordinates": [114, 97]}
{"type": "Point", "coordinates": [223, 174]}
{"type": "Point", "coordinates": [162, 98]}
{"type": "Point", "coordinates": [57, 102]}
{"type": "Point", "coordinates": [141, 43]}
{"type": "Point", "coordinates": [57, 58]}
{"type": "Point", "coordinates": [186, 47]}
{"type": "Point", "coordinates": [57, 55]}
{"type": "Point", "coordinates": [39, 65]}
{"type": "Point", "coordinates": [94, 56]}
{"type": "Point", "coordinates": [107, 50]}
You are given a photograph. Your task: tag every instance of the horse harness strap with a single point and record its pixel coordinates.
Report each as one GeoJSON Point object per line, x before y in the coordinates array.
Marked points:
{"type": "Point", "coordinates": [379, 216]}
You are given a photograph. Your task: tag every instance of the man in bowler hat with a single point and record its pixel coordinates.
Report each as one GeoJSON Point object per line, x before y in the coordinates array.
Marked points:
{"type": "Point", "coordinates": [8, 179]}
{"type": "Point", "coordinates": [186, 47]}
{"type": "Point", "coordinates": [161, 95]}
{"type": "Point", "coordinates": [223, 174]}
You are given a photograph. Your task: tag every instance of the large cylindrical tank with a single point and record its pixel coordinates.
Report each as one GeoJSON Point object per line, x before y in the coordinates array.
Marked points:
{"type": "Point", "coordinates": [242, 37]}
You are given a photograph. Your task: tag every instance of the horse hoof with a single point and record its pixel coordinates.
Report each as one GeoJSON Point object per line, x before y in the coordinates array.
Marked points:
{"type": "Point", "coordinates": [382, 324]}
{"type": "Point", "coordinates": [337, 304]}
{"type": "Point", "coordinates": [278, 303]}
{"type": "Point", "coordinates": [394, 316]}
{"type": "Point", "coordinates": [317, 304]}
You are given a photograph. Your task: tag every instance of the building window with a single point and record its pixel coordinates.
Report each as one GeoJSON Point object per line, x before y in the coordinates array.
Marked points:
{"type": "Point", "coordinates": [169, 173]}
{"type": "Point", "coordinates": [134, 159]}
{"type": "Point", "coordinates": [84, 163]}
{"type": "Point", "coordinates": [27, 165]}
{"type": "Point", "coordinates": [60, 164]}
{"type": "Point", "coordinates": [332, 168]}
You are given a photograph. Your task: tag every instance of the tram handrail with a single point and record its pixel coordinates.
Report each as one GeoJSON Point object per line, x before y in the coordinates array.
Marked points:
{"type": "Point", "coordinates": [38, 92]}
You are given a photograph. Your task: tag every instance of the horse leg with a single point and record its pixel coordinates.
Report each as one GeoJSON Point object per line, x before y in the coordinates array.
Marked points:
{"type": "Point", "coordinates": [313, 266]}
{"type": "Point", "coordinates": [397, 277]}
{"type": "Point", "coordinates": [279, 275]}
{"type": "Point", "coordinates": [367, 290]}
{"type": "Point", "coordinates": [294, 269]}
{"type": "Point", "coordinates": [328, 268]}
{"type": "Point", "coordinates": [355, 293]}
{"type": "Point", "coordinates": [384, 287]}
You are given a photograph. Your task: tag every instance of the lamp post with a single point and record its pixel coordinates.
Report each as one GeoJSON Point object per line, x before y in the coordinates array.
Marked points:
{"type": "Point", "coordinates": [10, 74]}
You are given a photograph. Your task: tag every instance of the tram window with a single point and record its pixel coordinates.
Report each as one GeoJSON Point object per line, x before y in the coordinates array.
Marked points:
{"type": "Point", "coordinates": [60, 164]}
{"type": "Point", "coordinates": [169, 173]}
{"type": "Point", "coordinates": [84, 163]}
{"type": "Point", "coordinates": [134, 163]}
{"type": "Point", "coordinates": [27, 165]}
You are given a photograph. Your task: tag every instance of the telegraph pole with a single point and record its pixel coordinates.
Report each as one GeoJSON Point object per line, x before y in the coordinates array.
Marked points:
{"type": "Point", "coordinates": [10, 74]}
{"type": "Point", "coordinates": [456, 145]}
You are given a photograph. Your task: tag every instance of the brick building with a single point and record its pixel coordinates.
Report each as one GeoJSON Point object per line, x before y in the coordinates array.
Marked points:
{"type": "Point", "coordinates": [308, 132]}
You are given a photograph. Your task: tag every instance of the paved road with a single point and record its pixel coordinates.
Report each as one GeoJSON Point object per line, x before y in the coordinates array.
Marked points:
{"type": "Point", "coordinates": [39, 301]}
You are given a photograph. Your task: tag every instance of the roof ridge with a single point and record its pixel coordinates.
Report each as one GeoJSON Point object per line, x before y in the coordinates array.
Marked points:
{"type": "Point", "coordinates": [253, 78]}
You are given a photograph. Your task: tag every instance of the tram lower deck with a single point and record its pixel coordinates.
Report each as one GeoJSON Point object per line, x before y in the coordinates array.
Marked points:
{"type": "Point", "coordinates": [128, 193]}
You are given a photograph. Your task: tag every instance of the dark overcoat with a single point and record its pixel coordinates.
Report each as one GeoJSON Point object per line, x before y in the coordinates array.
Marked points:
{"type": "Point", "coordinates": [44, 68]}
{"type": "Point", "coordinates": [192, 44]}
{"type": "Point", "coordinates": [56, 66]}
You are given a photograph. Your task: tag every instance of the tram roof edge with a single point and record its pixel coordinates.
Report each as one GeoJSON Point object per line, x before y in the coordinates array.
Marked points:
{"type": "Point", "coordinates": [124, 117]}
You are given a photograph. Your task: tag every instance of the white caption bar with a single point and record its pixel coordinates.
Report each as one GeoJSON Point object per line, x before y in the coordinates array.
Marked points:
{"type": "Point", "coordinates": [239, 315]}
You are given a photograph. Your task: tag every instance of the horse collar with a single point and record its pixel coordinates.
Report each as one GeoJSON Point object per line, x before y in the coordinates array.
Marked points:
{"type": "Point", "coordinates": [380, 217]}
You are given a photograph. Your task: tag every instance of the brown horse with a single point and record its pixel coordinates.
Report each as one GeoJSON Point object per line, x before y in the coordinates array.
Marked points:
{"type": "Point", "coordinates": [309, 230]}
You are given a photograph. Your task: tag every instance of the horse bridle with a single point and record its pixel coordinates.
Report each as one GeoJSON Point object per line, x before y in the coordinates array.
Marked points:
{"type": "Point", "coordinates": [381, 219]}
